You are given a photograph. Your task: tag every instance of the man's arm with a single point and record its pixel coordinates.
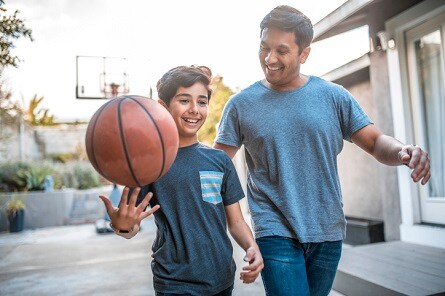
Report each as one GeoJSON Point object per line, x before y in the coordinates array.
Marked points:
{"type": "Point", "coordinates": [230, 150]}
{"type": "Point", "coordinates": [390, 151]}
{"type": "Point", "coordinates": [242, 234]}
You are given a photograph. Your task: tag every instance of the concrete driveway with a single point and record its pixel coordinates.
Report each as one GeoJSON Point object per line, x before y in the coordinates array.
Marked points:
{"type": "Point", "coordinates": [75, 260]}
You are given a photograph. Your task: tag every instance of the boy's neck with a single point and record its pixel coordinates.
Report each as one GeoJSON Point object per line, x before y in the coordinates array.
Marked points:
{"type": "Point", "coordinates": [184, 142]}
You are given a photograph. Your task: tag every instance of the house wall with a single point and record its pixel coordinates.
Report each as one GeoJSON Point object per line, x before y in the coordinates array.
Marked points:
{"type": "Point", "coordinates": [358, 170]}
{"type": "Point", "coordinates": [370, 189]}
{"type": "Point", "coordinates": [388, 179]}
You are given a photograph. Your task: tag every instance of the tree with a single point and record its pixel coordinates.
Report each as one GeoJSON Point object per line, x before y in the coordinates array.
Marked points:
{"type": "Point", "coordinates": [11, 28]}
{"type": "Point", "coordinates": [38, 116]}
{"type": "Point", "coordinates": [9, 110]}
{"type": "Point", "coordinates": [220, 95]}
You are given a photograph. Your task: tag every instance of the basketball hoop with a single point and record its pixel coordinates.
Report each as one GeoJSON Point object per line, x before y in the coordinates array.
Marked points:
{"type": "Point", "coordinates": [101, 77]}
{"type": "Point", "coordinates": [114, 90]}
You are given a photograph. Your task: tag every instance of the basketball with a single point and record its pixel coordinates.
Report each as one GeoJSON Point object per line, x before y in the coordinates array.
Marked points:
{"type": "Point", "coordinates": [131, 140]}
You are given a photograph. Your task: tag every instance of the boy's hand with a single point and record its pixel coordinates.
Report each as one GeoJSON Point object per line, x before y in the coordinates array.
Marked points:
{"type": "Point", "coordinates": [256, 264]}
{"type": "Point", "coordinates": [127, 216]}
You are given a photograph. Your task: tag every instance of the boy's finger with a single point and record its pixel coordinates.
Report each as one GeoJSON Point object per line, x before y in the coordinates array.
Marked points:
{"type": "Point", "coordinates": [124, 197]}
{"type": "Point", "coordinates": [149, 212]}
{"type": "Point", "coordinates": [143, 205]}
{"type": "Point", "coordinates": [108, 206]}
{"type": "Point", "coordinates": [134, 196]}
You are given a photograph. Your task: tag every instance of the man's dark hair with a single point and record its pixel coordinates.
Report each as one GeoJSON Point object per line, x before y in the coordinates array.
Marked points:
{"type": "Point", "coordinates": [184, 76]}
{"type": "Point", "coordinates": [289, 19]}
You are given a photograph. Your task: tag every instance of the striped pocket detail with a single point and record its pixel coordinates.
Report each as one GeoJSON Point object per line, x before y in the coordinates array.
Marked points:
{"type": "Point", "coordinates": [211, 182]}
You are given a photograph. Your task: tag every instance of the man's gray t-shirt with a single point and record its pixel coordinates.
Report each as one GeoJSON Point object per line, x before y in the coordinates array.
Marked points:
{"type": "Point", "coordinates": [192, 252]}
{"type": "Point", "coordinates": [291, 140]}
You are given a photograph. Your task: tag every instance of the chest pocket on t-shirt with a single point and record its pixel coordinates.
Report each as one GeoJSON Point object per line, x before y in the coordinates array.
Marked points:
{"type": "Point", "coordinates": [211, 182]}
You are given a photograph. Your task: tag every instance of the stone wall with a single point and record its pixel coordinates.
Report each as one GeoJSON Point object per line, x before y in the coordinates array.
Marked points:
{"type": "Point", "coordinates": [30, 143]}
{"type": "Point", "coordinates": [57, 208]}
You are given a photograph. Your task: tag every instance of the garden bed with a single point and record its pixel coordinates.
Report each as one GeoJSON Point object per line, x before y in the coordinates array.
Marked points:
{"type": "Point", "coordinates": [57, 208]}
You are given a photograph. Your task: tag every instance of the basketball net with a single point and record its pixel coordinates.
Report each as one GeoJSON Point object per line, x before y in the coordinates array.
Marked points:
{"type": "Point", "coordinates": [114, 89]}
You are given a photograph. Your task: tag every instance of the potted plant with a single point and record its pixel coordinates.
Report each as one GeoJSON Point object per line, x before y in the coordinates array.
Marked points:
{"type": "Point", "coordinates": [15, 211]}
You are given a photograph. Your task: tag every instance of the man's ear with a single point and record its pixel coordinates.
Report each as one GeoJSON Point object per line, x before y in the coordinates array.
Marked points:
{"type": "Point", "coordinates": [304, 54]}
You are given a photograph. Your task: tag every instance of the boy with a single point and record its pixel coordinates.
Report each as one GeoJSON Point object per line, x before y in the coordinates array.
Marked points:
{"type": "Point", "coordinates": [198, 198]}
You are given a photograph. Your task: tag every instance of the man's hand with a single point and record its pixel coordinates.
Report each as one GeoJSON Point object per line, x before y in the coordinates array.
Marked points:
{"type": "Point", "coordinates": [417, 160]}
{"type": "Point", "coordinates": [250, 272]}
{"type": "Point", "coordinates": [127, 215]}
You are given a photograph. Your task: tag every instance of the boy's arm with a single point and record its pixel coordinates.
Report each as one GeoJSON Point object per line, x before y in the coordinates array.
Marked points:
{"type": "Point", "coordinates": [242, 234]}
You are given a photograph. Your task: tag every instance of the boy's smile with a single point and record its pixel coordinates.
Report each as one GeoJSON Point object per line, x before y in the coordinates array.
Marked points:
{"type": "Point", "coordinates": [189, 110]}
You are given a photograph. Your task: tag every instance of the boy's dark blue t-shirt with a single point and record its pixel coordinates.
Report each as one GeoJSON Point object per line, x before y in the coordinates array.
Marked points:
{"type": "Point", "coordinates": [192, 252]}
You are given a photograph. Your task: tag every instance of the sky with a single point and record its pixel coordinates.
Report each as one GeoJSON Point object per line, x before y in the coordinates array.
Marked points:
{"type": "Point", "coordinates": [153, 37]}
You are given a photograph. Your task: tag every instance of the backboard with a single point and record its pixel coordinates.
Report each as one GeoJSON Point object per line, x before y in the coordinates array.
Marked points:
{"type": "Point", "coordinates": [101, 77]}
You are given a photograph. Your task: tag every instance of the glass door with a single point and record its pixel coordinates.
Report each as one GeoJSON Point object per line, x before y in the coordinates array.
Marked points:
{"type": "Point", "coordinates": [425, 48]}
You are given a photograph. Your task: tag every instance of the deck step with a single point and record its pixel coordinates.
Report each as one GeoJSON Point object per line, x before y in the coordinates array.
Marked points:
{"type": "Point", "coordinates": [391, 268]}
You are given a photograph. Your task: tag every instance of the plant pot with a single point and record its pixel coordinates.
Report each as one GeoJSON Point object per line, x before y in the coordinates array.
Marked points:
{"type": "Point", "coordinates": [360, 231]}
{"type": "Point", "coordinates": [17, 221]}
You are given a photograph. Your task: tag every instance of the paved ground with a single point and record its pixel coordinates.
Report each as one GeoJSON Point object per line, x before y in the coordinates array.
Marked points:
{"type": "Point", "coordinates": [75, 260]}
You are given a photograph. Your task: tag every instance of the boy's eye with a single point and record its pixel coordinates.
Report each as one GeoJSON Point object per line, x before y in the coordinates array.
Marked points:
{"type": "Point", "coordinates": [203, 103]}
{"type": "Point", "coordinates": [183, 101]}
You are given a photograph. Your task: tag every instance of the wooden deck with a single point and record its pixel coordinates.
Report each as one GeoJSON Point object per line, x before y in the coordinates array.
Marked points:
{"type": "Point", "coordinates": [391, 268]}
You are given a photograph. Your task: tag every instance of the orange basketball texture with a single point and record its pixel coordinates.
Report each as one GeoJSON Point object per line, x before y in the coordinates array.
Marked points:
{"type": "Point", "coordinates": [131, 140]}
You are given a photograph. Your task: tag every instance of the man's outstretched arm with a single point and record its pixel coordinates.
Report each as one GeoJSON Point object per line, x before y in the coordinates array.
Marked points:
{"type": "Point", "coordinates": [390, 151]}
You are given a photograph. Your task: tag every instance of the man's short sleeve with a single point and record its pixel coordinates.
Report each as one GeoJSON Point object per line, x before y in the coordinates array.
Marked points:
{"type": "Point", "coordinates": [229, 126]}
{"type": "Point", "coordinates": [353, 117]}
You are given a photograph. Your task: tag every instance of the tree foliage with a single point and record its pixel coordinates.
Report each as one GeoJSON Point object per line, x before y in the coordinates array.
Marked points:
{"type": "Point", "coordinates": [11, 28]}
{"type": "Point", "coordinates": [38, 116]}
{"type": "Point", "coordinates": [220, 95]}
{"type": "Point", "coordinates": [9, 110]}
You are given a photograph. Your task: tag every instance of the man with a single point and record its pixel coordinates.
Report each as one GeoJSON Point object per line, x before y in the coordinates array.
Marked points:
{"type": "Point", "coordinates": [292, 127]}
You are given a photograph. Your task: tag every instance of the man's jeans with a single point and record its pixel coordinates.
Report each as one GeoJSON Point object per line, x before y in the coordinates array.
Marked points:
{"type": "Point", "coordinates": [293, 268]}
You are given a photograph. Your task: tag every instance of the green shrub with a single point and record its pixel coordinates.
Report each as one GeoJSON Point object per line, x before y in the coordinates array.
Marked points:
{"type": "Point", "coordinates": [33, 179]}
{"type": "Point", "coordinates": [8, 174]}
{"type": "Point", "coordinates": [30, 176]}
{"type": "Point", "coordinates": [80, 175]}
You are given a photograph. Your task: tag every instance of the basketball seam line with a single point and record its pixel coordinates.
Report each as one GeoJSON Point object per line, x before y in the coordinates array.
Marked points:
{"type": "Point", "coordinates": [158, 131]}
{"type": "Point", "coordinates": [124, 146]}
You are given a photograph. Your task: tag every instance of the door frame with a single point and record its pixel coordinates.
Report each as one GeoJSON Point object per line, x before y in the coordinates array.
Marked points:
{"type": "Point", "coordinates": [411, 229]}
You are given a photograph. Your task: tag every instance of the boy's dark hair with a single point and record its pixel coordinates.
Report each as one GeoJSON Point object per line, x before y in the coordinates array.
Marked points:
{"type": "Point", "coordinates": [184, 76]}
{"type": "Point", "coordinates": [289, 19]}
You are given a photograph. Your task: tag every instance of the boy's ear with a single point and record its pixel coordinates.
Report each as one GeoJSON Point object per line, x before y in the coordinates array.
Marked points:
{"type": "Point", "coordinates": [162, 103]}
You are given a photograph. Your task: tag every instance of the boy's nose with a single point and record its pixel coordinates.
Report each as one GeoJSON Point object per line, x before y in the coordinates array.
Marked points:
{"type": "Point", "coordinates": [193, 109]}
